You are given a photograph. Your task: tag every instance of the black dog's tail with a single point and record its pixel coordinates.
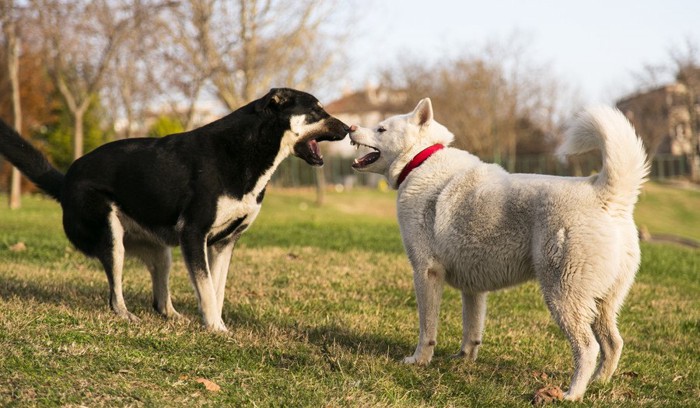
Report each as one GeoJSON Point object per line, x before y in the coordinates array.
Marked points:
{"type": "Point", "coordinates": [30, 161]}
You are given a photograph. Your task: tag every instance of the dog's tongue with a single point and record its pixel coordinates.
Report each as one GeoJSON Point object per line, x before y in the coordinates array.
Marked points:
{"type": "Point", "coordinates": [313, 145]}
{"type": "Point", "coordinates": [365, 160]}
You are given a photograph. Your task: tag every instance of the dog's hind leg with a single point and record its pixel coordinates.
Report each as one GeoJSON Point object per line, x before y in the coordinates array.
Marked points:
{"type": "Point", "coordinates": [158, 260]}
{"type": "Point", "coordinates": [605, 324]}
{"type": "Point", "coordinates": [111, 254]}
{"type": "Point", "coordinates": [473, 317]}
{"type": "Point", "coordinates": [92, 224]}
{"type": "Point", "coordinates": [219, 261]}
{"type": "Point", "coordinates": [573, 310]}
{"type": "Point", "coordinates": [606, 333]}
{"type": "Point", "coordinates": [428, 280]}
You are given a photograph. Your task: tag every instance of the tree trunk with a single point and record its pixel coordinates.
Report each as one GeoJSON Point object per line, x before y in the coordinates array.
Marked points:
{"type": "Point", "coordinates": [320, 186]}
{"type": "Point", "coordinates": [15, 199]}
{"type": "Point", "coordinates": [78, 137]}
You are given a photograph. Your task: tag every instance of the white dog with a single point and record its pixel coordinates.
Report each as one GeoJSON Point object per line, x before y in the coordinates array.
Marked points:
{"type": "Point", "coordinates": [479, 228]}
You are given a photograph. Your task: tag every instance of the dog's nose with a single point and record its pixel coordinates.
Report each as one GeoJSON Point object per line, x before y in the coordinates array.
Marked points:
{"type": "Point", "coordinates": [352, 128]}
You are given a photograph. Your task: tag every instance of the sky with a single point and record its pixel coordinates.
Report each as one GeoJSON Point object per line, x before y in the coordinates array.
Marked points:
{"type": "Point", "coordinates": [594, 46]}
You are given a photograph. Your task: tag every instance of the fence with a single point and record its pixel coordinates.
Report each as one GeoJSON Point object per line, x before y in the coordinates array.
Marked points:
{"type": "Point", "coordinates": [294, 172]}
{"type": "Point", "coordinates": [337, 171]}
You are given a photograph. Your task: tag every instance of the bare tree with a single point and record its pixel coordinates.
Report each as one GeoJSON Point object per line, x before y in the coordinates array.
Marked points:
{"type": "Point", "coordinates": [134, 83]}
{"type": "Point", "coordinates": [182, 72]}
{"type": "Point", "coordinates": [8, 21]}
{"type": "Point", "coordinates": [248, 46]}
{"type": "Point", "coordinates": [80, 41]}
{"type": "Point", "coordinates": [493, 100]}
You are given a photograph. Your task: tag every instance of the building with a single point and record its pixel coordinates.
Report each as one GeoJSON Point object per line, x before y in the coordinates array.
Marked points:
{"type": "Point", "coordinates": [667, 119]}
{"type": "Point", "coordinates": [663, 118]}
{"type": "Point", "coordinates": [366, 107]}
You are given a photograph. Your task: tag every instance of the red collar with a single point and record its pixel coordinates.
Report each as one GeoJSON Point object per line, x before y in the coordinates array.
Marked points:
{"type": "Point", "coordinates": [417, 161]}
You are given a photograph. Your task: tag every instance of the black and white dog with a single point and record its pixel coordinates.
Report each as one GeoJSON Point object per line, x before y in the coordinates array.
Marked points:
{"type": "Point", "coordinates": [199, 189]}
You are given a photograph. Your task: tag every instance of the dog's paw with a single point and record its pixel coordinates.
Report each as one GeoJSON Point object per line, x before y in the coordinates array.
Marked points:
{"type": "Point", "coordinates": [129, 316]}
{"type": "Point", "coordinates": [217, 327]}
{"type": "Point", "coordinates": [569, 396]}
{"type": "Point", "coordinates": [175, 316]}
{"type": "Point", "coordinates": [133, 318]}
{"type": "Point", "coordinates": [462, 355]}
{"type": "Point", "coordinates": [469, 355]}
{"type": "Point", "coordinates": [416, 360]}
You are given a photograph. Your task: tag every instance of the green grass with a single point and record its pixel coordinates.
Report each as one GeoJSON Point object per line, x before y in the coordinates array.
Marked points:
{"type": "Point", "coordinates": [321, 309]}
{"type": "Point", "coordinates": [665, 209]}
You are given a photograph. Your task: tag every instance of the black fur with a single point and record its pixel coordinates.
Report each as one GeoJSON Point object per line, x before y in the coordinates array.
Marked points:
{"type": "Point", "coordinates": [34, 164]}
{"type": "Point", "coordinates": [164, 191]}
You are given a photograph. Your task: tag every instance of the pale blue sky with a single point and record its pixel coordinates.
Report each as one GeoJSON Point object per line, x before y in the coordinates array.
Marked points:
{"type": "Point", "coordinates": [593, 45]}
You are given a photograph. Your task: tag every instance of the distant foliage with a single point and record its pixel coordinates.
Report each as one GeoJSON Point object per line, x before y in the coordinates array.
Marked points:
{"type": "Point", "coordinates": [497, 100]}
{"type": "Point", "coordinates": [57, 134]}
{"type": "Point", "coordinates": [165, 125]}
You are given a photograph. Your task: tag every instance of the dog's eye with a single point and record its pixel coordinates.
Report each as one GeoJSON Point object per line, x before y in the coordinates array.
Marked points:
{"type": "Point", "coordinates": [381, 129]}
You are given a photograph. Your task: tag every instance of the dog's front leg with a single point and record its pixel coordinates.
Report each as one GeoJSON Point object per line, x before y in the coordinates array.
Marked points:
{"type": "Point", "coordinates": [194, 251]}
{"type": "Point", "coordinates": [428, 282]}
{"type": "Point", "coordinates": [473, 317]}
{"type": "Point", "coordinates": [219, 261]}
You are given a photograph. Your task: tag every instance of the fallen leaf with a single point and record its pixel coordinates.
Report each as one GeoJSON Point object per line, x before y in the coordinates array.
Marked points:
{"type": "Point", "coordinates": [548, 394]}
{"type": "Point", "coordinates": [621, 395]}
{"type": "Point", "coordinates": [540, 375]}
{"type": "Point", "coordinates": [630, 374]}
{"type": "Point", "coordinates": [209, 385]}
{"type": "Point", "coordinates": [18, 247]}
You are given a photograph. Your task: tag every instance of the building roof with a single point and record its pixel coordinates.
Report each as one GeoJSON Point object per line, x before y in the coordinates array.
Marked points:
{"type": "Point", "coordinates": [369, 99]}
{"type": "Point", "coordinates": [673, 87]}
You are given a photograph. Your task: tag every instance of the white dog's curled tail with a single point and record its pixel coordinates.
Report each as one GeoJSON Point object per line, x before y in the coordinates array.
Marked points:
{"type": "Point", "coordinates": [625, 165]}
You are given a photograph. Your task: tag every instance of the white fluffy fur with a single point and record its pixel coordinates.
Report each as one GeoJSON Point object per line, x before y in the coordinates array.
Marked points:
{"type": "Point", "coordinates": [479, 228]}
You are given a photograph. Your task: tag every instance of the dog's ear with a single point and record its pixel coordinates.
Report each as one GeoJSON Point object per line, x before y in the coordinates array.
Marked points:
{"type": "Point", "coordinates": [273, 100]}
{"type": "Point", "coordinates": [423, 113]}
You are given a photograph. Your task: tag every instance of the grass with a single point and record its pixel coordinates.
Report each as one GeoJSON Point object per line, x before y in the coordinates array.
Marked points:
{"type": "Point", "coordinates": [665, 209]}
{"type": "Point", "coordinates": [321, 309]}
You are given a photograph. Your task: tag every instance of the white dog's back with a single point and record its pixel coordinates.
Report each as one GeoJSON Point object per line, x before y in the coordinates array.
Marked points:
{"type": "Point", "coordinates": [487, 220]}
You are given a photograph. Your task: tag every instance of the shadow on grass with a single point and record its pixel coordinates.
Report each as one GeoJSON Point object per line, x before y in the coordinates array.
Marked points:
{"type": "Point", "coordinates": [75, 296]}
{"type": "Point", "coordinates": [335, 236]}
{"type": "Point", "coordinates": [321, 336]}
{"type": "Point", "coordinates": [91, 298]}
{"type": "Point", "coordinates": [323, 339]}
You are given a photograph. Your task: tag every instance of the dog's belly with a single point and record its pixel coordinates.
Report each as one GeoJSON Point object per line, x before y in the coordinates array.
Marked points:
{"type": "Point", "coordinates": [136, 234]}
{"type": "Point", "coordinates": [476, 270]}
{"type": "Point", "coordinates": [233, 217]}
{"type": "Point", "coordinates": [482, 234]}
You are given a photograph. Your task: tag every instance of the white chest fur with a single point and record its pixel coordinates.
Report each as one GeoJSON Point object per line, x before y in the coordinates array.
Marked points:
{"type": "Point", "coordinates": [229, 209]}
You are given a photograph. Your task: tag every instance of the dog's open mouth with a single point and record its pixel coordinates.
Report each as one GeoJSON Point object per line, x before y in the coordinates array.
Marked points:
{"type": "Point", "coordinates": [309, 150]}
{"type": "Point", "coordinates": [368, 158]}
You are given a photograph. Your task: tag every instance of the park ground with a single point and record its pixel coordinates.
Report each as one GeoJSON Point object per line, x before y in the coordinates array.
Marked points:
{"type": "Point", "coordinates": [321, 310]}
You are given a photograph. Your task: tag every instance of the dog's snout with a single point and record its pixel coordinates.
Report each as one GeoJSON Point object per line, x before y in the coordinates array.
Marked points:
{"type": "Point", "coordinates": [352, 128]}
